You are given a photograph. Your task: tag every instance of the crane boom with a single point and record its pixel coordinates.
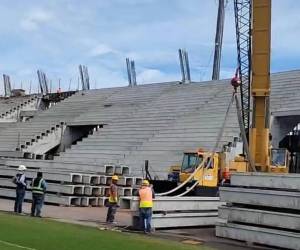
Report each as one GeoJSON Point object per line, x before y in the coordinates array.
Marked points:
{"type": "Point", "coordinates": [243, 17]}
{"type": "Point", "coordinates": [260, 83]}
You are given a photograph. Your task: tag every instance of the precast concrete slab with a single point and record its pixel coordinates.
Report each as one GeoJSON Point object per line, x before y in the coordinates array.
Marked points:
{"type": "Point", "coordinates": [65, 189]}
{"type": "Point", "coordinates": [124, 191]}
{"type": "Point", "coordinates": [57, 176]}
{"type": "Point", "coordinates": [88, 190]}
{"type": "Point", "coordinates": [51, 187]}
{"type": "Point", "coordinates": [84, 201]}
{"type": "Point", "coordinates": [177, 220]}
{"type": "Point", "coordinates": [93, 201]}
{"type": "Point", "coordinates": [49, 198]}
{"type": "Point", "coordinates": [95, 180]}
{"type": "Point", "coordinates": [122, 170]}
{"type": "Point", "coordinates": [86, 179]}
{"type": "Point", "coordinates": [96, 191]}
{"type": "Point", "coordinates": [52, 164]}
{"type": "Point", "coordinates": [259, 217]}
{"type": "Point", "coordinates": [126, 181]}
{"type": "Point", "coordinates": [175, 203]}
{"type": "Point", "coordinates": [103, 180]}
{"type": "Point", "coordinates": [105, 190]}
{"type": "Point", "coordinates": [109, 169]}
{"type": "Point", "coordinates": [251, 234]}
{"type": "Point", "coordinates": [260, 197]}
{"type": "Point", "coordinates": [102, 201]}
{"type": "Point", "coordinates": [138, 181]}
{"type": "Point", "coordinates": [266, 180]}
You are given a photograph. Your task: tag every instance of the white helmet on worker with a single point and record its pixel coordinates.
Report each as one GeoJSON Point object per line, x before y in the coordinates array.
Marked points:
{"type": "Point", "coordinates": [145, 183]}
{"type": "Point", "coordinates": [22, 168]}
{"type": "Point", "coordinates": [115, 178]}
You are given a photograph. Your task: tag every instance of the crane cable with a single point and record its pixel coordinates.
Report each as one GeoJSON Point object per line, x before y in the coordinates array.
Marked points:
{"type": "Point", "coordinates": [221, 132]}
{"type": "Point", "coordinates": [205, 159]}
{"type": "Point", "coordinates": [251, 163]}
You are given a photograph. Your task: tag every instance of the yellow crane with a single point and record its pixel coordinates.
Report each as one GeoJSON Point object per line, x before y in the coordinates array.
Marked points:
{"type": "Point", "coordinates": [263, 156]}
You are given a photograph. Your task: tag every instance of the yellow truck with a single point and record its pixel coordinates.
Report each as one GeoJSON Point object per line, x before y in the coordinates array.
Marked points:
{"type": "Point", "coordinates": [211, 176]}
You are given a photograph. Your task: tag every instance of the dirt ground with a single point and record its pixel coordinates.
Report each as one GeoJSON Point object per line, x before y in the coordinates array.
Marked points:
{"type": "Point", "coordinates": [95, 216]}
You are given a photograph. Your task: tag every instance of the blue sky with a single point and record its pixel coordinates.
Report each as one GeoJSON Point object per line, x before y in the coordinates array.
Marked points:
{"type": "Point", "coordinates": [58, 35]}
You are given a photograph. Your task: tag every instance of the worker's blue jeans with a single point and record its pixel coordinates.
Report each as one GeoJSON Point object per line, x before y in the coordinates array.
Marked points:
{"type": "Point", "coordinates": [111, 212]}
{"type": "Point", "coordinates": [37, 204]}
{"type": "Point", "coordinates": [20, 194]}
{"type": "Point", "coordinates": [145, 217]}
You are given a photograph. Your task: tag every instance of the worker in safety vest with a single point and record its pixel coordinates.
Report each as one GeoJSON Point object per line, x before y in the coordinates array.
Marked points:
{"type": "Point", "coordinates": [20, 181]}
{"type": "Point", "coordinates": [39, 187]}
{"type": "Point", "coordinates": [112, 200]}
{"type": "Point", "coordinates": [146, 195]}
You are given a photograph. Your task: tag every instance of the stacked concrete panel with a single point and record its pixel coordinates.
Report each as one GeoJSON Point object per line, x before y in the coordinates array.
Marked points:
{"type": "Point", "coordinates": [261, 208]}
{"type": "Point", "coordinates": [72, 188]}
{"type": "Point", "coordinates": [170, 212]}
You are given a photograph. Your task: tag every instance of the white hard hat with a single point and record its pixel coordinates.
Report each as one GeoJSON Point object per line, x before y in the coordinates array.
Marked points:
{"type": "Point", "coordinates": [22, 168]}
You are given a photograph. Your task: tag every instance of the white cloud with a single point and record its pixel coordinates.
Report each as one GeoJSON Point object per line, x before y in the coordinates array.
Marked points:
{"type": "Point", "coordinates": [35, 18]}
{"type": "Point", "coordinates": [102, 49]}
{"type": "Point", "coordinates": [155, 75]}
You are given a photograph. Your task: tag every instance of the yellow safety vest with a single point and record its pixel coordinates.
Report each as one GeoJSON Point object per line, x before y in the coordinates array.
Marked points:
{"type": "Point", "coordinates": [113, 198]}
{"type": "Point", "coordinates": [145, 194]}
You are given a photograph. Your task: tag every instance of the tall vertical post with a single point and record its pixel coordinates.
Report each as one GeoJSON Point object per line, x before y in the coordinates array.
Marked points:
{"type": "Point", "coordinates": [133, 73]}
{"type": "Point", "coordinates": [187, 66]}
{"type": "Point", "coordinates": [260, 85]}
{"type": "Point", "coordinates": [7, 85]}
{"type": "Point", "coordinates": [128, 66]}
{"type": "Point", "coordinates": [86, 77]}
{"type": "Point", "coordinates": [40, 81]}
{"type": "Point", "coordinates": [30, 87]}
{"type": "Point", "coordinates": [50, 86]}
{"type": "Point", "coordinates": [219, 40]}
{"type": "Point", "coordinates": [183, 75]}
{"type": "Point", "coordinates": [82, 77]}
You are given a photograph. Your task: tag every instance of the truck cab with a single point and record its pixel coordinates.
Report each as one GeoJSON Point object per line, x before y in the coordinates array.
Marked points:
{"type": "Point", "coordinates": [279, 160]}
{"type": "Point", "coordinates": [207, 175]}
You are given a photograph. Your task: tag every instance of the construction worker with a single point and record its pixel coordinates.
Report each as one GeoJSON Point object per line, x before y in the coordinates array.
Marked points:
{"type": "Point", "coordinates": [39, 187]}
{"type": "Point", "coordinates": [20, 181]}
{"type": "Point", "coordinates": [113, 200]}
{"type": "Point", "coordinates": [146, 195]}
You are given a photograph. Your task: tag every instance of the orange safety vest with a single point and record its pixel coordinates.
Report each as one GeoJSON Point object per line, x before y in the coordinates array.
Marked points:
{"type": "Point", "coordinates": [145, 194]}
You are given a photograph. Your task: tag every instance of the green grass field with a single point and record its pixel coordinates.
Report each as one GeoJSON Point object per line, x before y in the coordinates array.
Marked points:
{"type": "Point", "coordinates": [41, 234]}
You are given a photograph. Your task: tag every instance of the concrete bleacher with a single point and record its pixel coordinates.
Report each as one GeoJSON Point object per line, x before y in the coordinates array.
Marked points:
{"type": "Point", "coordinates": [154, 122]}
{"type": "Point", "coordinates": [8, 106]}
{"type": "Point", "coordinates": [20, 135]}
